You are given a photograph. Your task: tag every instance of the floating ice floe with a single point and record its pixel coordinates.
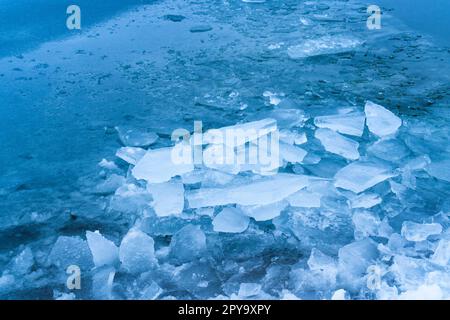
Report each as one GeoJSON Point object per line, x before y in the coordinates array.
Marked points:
{"type": "Point", "coordinates": [360, 176]}
{"type": "Point", "coordinates": [264, 212]}
{"type": "Point", "coordinates": [380, 120]}
{"type": "Point", "coordinates": [136, 138]}
{"type": "Point", "coordinates": [258, 192]}
{"type": "Point", "coordinates": [230, 220]}
{"type": "Point", "coordinates": [104, 251]}
{"type": "Point", "coordinates": [168, 197]}
{"type": "Point", "coordinates": [323, 46]}
{"type": "Point", "coordinates": [338, 144]}
{"type": "Point", "coordinates": [351, 123]}
{"type": "Point", "coordinates": [160, 165]}
{"type": "Point", "coordinates": [291, 153]}
{"type": "Point", "coordinates": [131, 154]}
{"type": "Point", "coordinates": [412, 231]}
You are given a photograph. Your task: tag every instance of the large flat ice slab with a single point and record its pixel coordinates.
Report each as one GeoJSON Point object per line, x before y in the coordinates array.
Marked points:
{"type": "Point", "coordinates": [259, 192]}
{"type": "Point", "coordinates": [380, 120]}
{"type": "Point", "coordinates": [160, 165]}
{"type": "Point", "coordinates": [338, 144]}
{"type": "Point", "coordinates": [168, 198]}
{"type": "Point", "coordinates": [351, 123]}
{"type": "Point", "coordinates": [359, 176]}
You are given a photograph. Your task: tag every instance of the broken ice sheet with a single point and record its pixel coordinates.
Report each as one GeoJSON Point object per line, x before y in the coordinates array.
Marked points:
{"type": "Point", "coordinates": [291, 153]}
{"type": "Point", "coordinates": [230, 220]}
{"type": "Point", "coordinates": [160, 165]}
{"type": "Point", "coordinates": [258, 192]}
{"type": "Point", "coordinates": [338, 144]}
{"type": "Point", "coordinates": [104, 251]}
{"type": "Point", "coordinates": [412, 231]}
{"type": "Point", "coordinates": [439, 170]}
{"type": "Point", "coordinates": [380, 120]}
{"type": "Point", "coordinates": [305, 199]}
{"type": "Point", "coordinates": [130, 154]}
{"type": "Point", "coordinates": [168, 197]}
{"type": "Point", "coordinates": [362, 175]}
{"type": "Point", "coordinates": [393, 150]}
{"type": "Point", "coordinates": [351, 123]}
{"type": "Point", "coordinates": [365, 200]}
{"type": "Point", "coordinates": [323, 46]}
{"type": "Point", "coordinates": [71, 251]}
{"type": "Point", "coordinates": [131, 137]}
{"type": "Point", "coordinates": [188, 244]}
{"type": "Point", "coordinates": [264, 212]}
{"type": "Point", "coordinates": [240, 134]}
{"type": "Point", "coordinates": [137, 252]}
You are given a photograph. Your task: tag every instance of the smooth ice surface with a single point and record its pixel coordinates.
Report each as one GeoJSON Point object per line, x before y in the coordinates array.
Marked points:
{"type": "Point", "coordinates": [230, 220]}
{"type": "Point", "coordinates": [305, 199]}
{"type": "Point", "coordinates": [264, 212]}
{"type": "Point", "coordinates": [347, 123]}
{"type": "Point", "coordinates": [160, 165]}
{"type": "Point", "coordinates": [131, 155]}
{"type": "Point", "coordinates": [136, 252]}
{"type": "Point", "coordinates": [168, 197]}
{"type": "Point", "coordinates": [104, 251]}
{"type": "Point", "coordinates": [440, 169]}
{"type": "Point", "coordinates": [360, 176]}
{"type": "Point", "coordinates": [419, 232]}
{"type": "Point", "coordinates": [259, 192]}
{"type": "Point", "coordinates": [188, 243]}
{"type": "Point", "coordinates": [380, 120]}
{"type": "Point", "coordinates": [135, 137]}
{"type": "Point", "coordinates": [336, 143]}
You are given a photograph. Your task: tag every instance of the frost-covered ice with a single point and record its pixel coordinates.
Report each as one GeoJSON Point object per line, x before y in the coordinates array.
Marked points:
{"type": "Point", "coordinates": [137, 252]}
{"type": "Point", "coordinates": [188, 243]}
{"type": "Point", "coordinates": [104, 251]}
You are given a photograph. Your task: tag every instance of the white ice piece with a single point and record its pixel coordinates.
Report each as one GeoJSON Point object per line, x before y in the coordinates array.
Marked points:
{"type": "Point", "coordinates": [104, 251]}
{"type": "Point", "coordinates": [338, 144]}
{"type": "Point", "coordinates": [168, 197]}
{"type": "Point", "coordinates": [137, 252]}
{"type": "Point", "coordinates": [323, 46]}
{"type": "Point", "coordinates": [230, 220]}
{"type": "Point", "coordinates": [351, 123]}
{"type": "Point", "coordinates": [264, 212]}
{"type": "Point", "coordinates": [131, 154]}
{"type": "Point", "coordinates": [412, 231]}
{"type": "Point", "coordinates": [380, 120]}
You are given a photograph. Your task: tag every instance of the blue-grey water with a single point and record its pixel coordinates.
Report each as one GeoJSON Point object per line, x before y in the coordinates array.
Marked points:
{"type": "Point", "coordinates": [64, 91]}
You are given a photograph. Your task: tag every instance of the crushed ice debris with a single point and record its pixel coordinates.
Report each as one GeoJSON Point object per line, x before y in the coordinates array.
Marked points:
{"type": "Point", "coordinates": [159, 165]}
{"type": "Point", "coordinates": [361, 175]}
{"type": "Point", "coordinates": [230, 220]}
{"type": "Point", "coordinates": [104, 251]}
{"type": "Point", "coordinates": [338, 144]}
{"type": "Point", "coordinates": [380, 120]}
{"type": "Point", "coordinates": [412, 231]}
{"type": "Point", "coordinates": [135, 137]}
{"type": "Point", "coordinates": [351, 123]}
{"type": "Point", "coordinates": [326, 45]}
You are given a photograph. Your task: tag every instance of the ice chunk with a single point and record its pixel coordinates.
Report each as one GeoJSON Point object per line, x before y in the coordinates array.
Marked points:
{"type": "Point", "coordinates": [286, 118]}
{"type": "Point", "coordinates": [305, 199]}
{"type": "Point", "coordinates": [291, 137]}
{"type": "Point", "coordinates": [320, 261]}
{"type": "Point", "coordinates": [351, 123]}
{"type": "Point", "coordinates": [23, 262]}
{"type": "Point", "coordinates": [264, 212]}
{"type": "Point", "coordinates": [137, 252]}
{"type": "Point", "coordinates": [130, 154]}
{"type": "Point", "coordinates": [110, 165]}
{"type": "Point", "coordinates": [323, 46]}
{"type": "Point", "coordinates": [412, 231]}
{"type": "Point", "coordinates": [440, 170]}
{"type": "Point", "coordinates": [361, 175]}
{"type": "Point", "coordinates": [151, 292]}
{"type": "Point", "coordinates": [230, 220]}
{"type": "Point", "coordinates": [248, 290]}
{"type": "Point", "coordinates": [441, 255]}
{"type": "Point", "coordinates": [354, 259]}
{"type": "Point", "coordinates": [258, 192]}
{"type": "Point", "coordinates": [389, 149]}
{"type": "Point", "coordinates": [110, 185]}
{"type": "Point", "coordinates": [338, 144]}
{"type": "Point", "coordinates": [168, 197]}
{"type": "Point", "coordinates": [273, 97]}
{"type": "Point", "coordinates": [188, 243]}
{"type": "Point", "coordinates": [102, 283]}
{"type": "Point", "coordinates": [160, 165]}
{"type": "Point", "coordinates": [366, 224]}
{"type": "Point", "coordinates": [240, 134]}
{"type": "Point", "coordinates": [136, 137]}
{"type": "Point", "coordinates": [130, 198]}
{"type": "Point", "coordinates": [365, 200]}
{"type": "Point", "coordinates": [340, 294]}
{"type": "Point", "coordinates": [380, 120]}
{"type": "Point", "coordinates": [423, 292]}
{"type": "Point", "coordinates": [104, 251]}
{"type": "Point", "coordinates": [291, 153]}
{"type": "Point", "coordinates": [71, 251]}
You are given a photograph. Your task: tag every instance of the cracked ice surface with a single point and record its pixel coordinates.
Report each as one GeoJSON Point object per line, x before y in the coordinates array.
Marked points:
{"type": "Point", "coordinates": [355, 205]}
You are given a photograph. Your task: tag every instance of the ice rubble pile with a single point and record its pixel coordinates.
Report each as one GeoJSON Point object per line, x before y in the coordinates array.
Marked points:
{"type": "Point", "coordinates": [333, 217]}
